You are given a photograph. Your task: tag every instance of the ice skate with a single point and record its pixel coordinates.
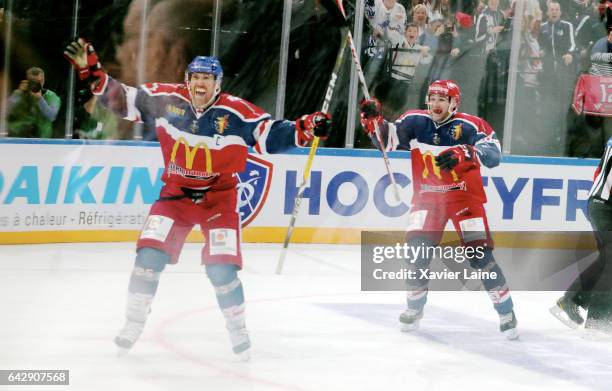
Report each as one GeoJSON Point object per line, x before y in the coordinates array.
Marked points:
{"type": "Point", "coordinates": [409, 319]}
{"type": "Point", "coordinates": [128, 335]}
{"type": "Point", "coordinates": [241, 342]}
{"type": "Point", "coordinates": [567, 312]}
{"type": "Point", "coordinates": [507, 325]}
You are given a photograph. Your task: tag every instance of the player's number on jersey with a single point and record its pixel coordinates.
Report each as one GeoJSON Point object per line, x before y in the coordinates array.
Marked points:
{"type": "Point", "coordinates": [606, 96]}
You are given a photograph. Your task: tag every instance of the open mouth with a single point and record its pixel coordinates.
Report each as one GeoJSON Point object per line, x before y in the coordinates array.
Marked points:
{"type": "Point", "coordinates": [199, 92]}
{"type": "Point", "coordinates": [437, 111]}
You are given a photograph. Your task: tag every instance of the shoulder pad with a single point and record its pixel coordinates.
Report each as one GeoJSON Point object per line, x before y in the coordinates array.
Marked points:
{"type": "Point", "coordinates": [245, 110]}
{"type": "Point", "coordinates": [414, 113]}
{"type": "Point", "coordinates": [154, 89]}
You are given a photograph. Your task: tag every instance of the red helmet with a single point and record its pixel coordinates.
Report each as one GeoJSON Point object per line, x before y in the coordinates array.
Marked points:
{"type": "Point", "coordinates": [446, 88]}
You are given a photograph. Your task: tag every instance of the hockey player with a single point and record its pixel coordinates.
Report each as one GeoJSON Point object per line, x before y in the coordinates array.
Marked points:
{"type": "Point", "coordinates": [592, 289]}
{"type": "Point", "coordinates": [447, 149]}
{"type": "Point", "coordinates": [204, 136]}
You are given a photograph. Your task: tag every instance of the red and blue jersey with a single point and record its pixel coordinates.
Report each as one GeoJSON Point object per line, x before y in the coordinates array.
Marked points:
{"type": "Point", "coordinates": [200, 148]}
{"type": "Point", "coordinates": [417, 132]}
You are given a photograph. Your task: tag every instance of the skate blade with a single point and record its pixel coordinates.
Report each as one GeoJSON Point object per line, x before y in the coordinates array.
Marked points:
{"type": "Point", "coordinates": [511, 334]}
{"type": "Point", "coordinates": [121, 352]}
{"type": "Point", "coordinates": [558, 313]}
{"type": "Point", "coordinates": [409, 327]}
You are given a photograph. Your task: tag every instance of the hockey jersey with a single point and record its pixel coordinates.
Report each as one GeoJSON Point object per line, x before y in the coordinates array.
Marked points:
{"type": "Point", "coordinates": [417, 132]}
{"type": "Point", "coordinates": [593, 95]}
{"type": "Point", "coordinates": [200, 149]}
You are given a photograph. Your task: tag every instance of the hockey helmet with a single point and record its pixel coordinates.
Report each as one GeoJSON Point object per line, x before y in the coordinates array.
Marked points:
{"type": "Point", "coordinates": [447, 88]}
{"type": "Point", "coordinates": [206, 64]}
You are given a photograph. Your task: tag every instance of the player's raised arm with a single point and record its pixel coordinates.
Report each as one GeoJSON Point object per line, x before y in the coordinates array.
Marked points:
{"type": "Point", "coordinates": [393, 135]}
{"type": "Point", "coordinates": [115, 96]}
{"type": "Point", "coordinates": [371, 116]}
{"type": "Point", "coordinates": [272, 136]}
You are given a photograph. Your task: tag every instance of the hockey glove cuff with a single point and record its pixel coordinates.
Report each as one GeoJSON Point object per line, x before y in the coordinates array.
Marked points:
{"type": "Point", "coordinates": [312, 125]}
{"type": "Point", "coordinates": [84, 60]}
{"type": "Point", "coordinates": [371, 115]}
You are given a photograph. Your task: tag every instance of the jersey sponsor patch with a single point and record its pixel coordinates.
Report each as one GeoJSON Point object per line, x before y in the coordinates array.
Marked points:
{"type": "Point", "coordinates": [157, 228]}
{"type": "Point", "coordinates": [223, 241]}
{"type": "Point", "coordinates": [473, 229]}
{"type": "Point", "coordinates": [416, 220]}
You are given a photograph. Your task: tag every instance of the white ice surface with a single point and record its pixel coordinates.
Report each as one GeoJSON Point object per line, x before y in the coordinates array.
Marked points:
{"type": "Point", "coordinates": [312, 328]}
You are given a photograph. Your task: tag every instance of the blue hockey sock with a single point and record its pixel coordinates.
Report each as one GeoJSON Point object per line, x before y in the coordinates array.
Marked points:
{"type": "Point", "coordinates": [228, 288]}
{"type": "Point", "coordinates": [498, 290]}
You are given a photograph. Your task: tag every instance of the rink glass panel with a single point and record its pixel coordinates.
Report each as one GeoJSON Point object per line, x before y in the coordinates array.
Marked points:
{"type": "Point", "coordinates": [533, 105]}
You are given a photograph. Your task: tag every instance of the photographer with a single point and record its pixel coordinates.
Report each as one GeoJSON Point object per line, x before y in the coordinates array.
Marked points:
{"type": "Point", "coordinates": [32, 109]}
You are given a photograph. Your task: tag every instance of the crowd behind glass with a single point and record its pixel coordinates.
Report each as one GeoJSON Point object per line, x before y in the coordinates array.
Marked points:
{"type": "Point", "coordinates": [406, 44]}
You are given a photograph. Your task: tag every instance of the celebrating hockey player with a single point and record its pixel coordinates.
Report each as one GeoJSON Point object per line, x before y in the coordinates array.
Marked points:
{"type": "Point", "coordinates": [592, 289]}
{"type": "Point", "coordinates": [204, 136]}
{"type": "Point", "coordinates": [447, 149]}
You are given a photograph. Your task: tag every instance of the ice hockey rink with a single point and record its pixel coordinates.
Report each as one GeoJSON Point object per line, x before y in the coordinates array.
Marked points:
{"type": "Point", "coordinates": [312, 328]}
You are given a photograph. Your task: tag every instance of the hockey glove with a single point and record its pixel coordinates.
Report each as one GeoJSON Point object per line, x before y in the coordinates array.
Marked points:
{"type": "Point", "coordinates": [84, 59]}
{"type": "Point", "coordinates": [371, 114]}
{"type": "Point", "coordinates": [310, 125]}
{"type": "Point", "coordinates": [459, 158]}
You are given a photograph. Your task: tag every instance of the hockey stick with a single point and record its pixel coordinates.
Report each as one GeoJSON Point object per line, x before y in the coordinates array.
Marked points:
{"type": "Point", "coordinates": [366, 94]}
{"type": "Point", "coordinates": [313, 149]}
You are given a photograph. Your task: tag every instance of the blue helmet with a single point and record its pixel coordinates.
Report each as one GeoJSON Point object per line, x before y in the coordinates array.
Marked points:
{"type": "Point", "coordinates": [206, 64]}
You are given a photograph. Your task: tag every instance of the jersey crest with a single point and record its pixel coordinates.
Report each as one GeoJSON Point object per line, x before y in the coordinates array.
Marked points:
{"type": "Point", "coordinates": [222, 123]}
{"type": "Point", "coordinates": [456, 132]}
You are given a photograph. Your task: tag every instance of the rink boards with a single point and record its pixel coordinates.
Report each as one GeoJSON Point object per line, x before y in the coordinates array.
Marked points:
{"type": "Point", "coordinates": [81, 191]}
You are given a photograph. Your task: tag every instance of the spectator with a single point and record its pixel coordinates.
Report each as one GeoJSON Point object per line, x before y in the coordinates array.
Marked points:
{"type": "Point", "coordinates": [556, 39]}
{"type": "Point", "coordinates": [430, 37]}
{"type": "Point", "coordinates": [387, 20]}
{"type": "Point", "coordinates": [492, 38]}
{"type": "Point", "coordinates": [32, 109]}
{"type": "Point", "coordinates": [587, 30]}
{"type": "Point", "coordinates": [403, 61]}
{"type": "Point", "coordinates": [489, 25]}
{"type": "Point", "coordinates": [528, 99]}
{"type": "Point", "coordinates": [419, 18]}
{"type": "Point", "coordinates": [445, 53]}
{"type": "Point", "coordinates": [558, 78]}
{"type": "Point", "coordinates": [409, 55]}
{"type": "Point", "coordinates": [589, 133]}
{"type": "Point", "coordinates": [438, 9]}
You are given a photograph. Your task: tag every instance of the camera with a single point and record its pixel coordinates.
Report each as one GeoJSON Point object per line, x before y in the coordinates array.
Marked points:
{"type": "Point", "coordinates": [34, 86]}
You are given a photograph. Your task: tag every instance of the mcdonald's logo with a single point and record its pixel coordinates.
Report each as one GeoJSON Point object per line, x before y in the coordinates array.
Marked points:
{"type": "Point", "coordinates": [430, 159]}
{"type": "Point", "coordinates": [190, 153]}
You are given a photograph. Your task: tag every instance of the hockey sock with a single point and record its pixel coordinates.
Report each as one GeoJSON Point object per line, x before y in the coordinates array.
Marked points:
{"type": "Point", "coordinates": [416, 290]}
{"type": "Point", "coordinates": [229, 292]}
{"type": "Point", "coordinates": [144, 281]}
{"type": "Point", "coordinates": [498, 290]}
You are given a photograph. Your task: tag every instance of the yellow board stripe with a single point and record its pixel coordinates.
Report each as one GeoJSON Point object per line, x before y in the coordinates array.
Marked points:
{"type": "Point", "coordinates": [561, 240]}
